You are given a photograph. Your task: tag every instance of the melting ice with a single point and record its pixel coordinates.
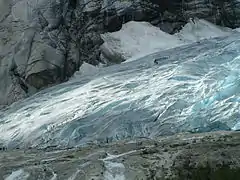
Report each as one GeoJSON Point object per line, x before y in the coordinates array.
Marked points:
{"type": "Point", "coordinates": [192, 88]}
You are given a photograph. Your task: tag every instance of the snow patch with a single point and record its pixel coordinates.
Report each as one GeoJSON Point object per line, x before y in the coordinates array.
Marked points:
{"type": "Point", "coordinates": [134, 39]}
{"type": "Point", "coordinates": [138, 39]}
{"type": "Point", "coordinates": [18, 175]}
{"type": "Point", "coordinates": [87, 70]}
{"type": "Point", "coordinates": [114, 171]}
{"type": "Point", "coordinates": [111, 157]}
{"type": "Point", "coordinates": [199, 29]}
{"type": "Point", "coordinates": [237, 29]}
{"type": "Point", "coordinates": [54, 176]}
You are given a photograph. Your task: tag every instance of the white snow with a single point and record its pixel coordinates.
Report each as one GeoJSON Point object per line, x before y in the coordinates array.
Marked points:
{"type": "Point", "coordinates": [86, 70]}
{"type": "Point", "coordinates": [111, 157]}
{"type": "Point", "coordinates": [18, 175]}
{"type": "Point", "coordinates": [54, 176]}
{"type": "Point", "coordinates": [237, 29]}
{"type": "Point", "coordinates": [137, 39]}
{"type": "Point", "coordinates": [199, 29]}
{"type": "Point", "coordinates": [114, 171]}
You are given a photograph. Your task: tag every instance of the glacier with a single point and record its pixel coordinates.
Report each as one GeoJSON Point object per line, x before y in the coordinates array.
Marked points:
{"type": "Point", "coordinates": [136, 39]}
{"type": "Point", "coordinates": [192, 88]}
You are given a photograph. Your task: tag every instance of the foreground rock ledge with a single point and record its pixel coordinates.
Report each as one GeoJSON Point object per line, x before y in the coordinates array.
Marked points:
{"type": "Point", "coordinates": [211, 156]}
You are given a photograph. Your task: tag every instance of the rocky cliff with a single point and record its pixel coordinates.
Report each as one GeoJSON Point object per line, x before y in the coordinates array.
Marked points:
{"type": "Point", "coordinates": [43, 42]}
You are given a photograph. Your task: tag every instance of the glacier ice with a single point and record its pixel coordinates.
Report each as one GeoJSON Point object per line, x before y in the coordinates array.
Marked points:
{"type": "Point", "coordinates": [19, 174]}
{"type": "Point", "coordinates": [136, 39]}
{"type": "Point", "coordinates": [86, 70]}
{"type": "Point", "coordinates": [193, 88]}
{"type": "Point", "coordinates": [198, 29]}
{"type": "Point", "coordinates": [237, 29]}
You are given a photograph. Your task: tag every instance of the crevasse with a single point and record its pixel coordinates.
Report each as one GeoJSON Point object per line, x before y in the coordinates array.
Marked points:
{"type": "Point", "coordinates": [192, 88]}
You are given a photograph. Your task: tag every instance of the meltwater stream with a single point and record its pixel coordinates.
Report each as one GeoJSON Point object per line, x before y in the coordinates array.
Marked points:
{"type": "Point", "coordinates": [191, 88]}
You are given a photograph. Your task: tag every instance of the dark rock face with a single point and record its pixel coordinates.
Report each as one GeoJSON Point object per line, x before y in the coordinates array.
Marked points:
{"type": "Point", "coordinates": [47, 42]}
{"type": "Point", "coordinates": [177, 12]}
{"type": "Point", "coordinates": [221, 12]}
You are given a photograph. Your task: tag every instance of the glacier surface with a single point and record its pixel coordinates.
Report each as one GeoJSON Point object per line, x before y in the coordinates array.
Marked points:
{"type": "Point", "coordinates": [136, 39]}
{"type": "Point", "coordinates": [193, 88]}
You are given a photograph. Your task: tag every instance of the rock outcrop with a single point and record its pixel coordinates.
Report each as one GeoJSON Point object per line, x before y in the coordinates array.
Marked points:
{"type": "Point", "coordinates": [185, 156]}
{"type": "Point", "coordinates": [33, 48]}
{"type": "Point", "coordinates": [43, 42]}
{"type": "Point", "coordinates": [171, 15]}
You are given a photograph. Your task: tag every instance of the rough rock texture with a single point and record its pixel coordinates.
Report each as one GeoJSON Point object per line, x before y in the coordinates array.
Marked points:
{"type": "Point", "coordinates": [43, 42]}
{"type": "Point", "coordinates": [171, 15]}
{"type": "Point", "coordinates": [213, 156]}
{"type": "Point", "coordinates": [32, 48]}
